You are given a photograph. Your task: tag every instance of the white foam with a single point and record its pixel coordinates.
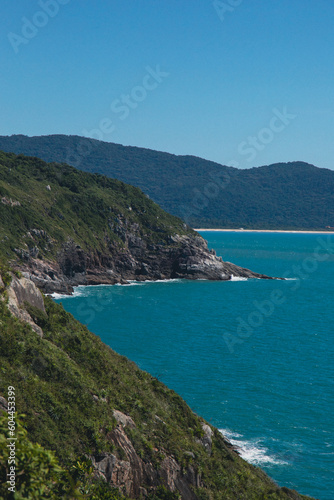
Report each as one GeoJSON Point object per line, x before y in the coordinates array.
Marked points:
{"type": "Point", "coordinates": [136, 283]}
{"type": "Point", "coordinates": [161, 281]}
{"type": "Point", "coordinates": [238, 278]}
{"type": "Point", "coordinates": [229, 434]}
{"type": "Point", "coordinates": [252, 451]}
{"type": "Point", "coordinates": [127, 284]}
{"type": "Point", "coordinates": [57, 295]}
{"type": "Point", "coordinates": [77, 292]}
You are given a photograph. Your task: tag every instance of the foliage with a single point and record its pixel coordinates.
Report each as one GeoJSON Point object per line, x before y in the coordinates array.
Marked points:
{"type": "Point", "coordinates": [292, 195]}
{"type": "Point", "coordinates": [36, 470]}
{"type": "Point", "coordinates": [5, 274]}
{"type": "Point", "coordinates": [163, 494]}
{"type": "Point", "coordinates": [38, 474]}
{"type": "Point", "coordinates": [44, 205]}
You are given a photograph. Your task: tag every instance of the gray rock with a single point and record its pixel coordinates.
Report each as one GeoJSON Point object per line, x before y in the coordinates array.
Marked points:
{"type": "Point", "coordinates": [123, 419]}
{"type": "Point", "coordinates": [3, 404]}
{"type": "Point", "coordinates": [104, 465]}
{"type": "Point", "coordinates": [207, 438]}
{"type": "Point", "coordinates": [26, 291]}
{"type": "Point", "coordinates": [23, 290]}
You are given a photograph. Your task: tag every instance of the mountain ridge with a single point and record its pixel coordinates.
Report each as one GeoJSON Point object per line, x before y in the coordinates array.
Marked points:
{"type": "Point", "coordinates": [294, 195]}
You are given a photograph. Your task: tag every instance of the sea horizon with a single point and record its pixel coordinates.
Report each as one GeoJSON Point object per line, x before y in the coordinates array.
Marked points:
{"type": "Point", "coordinates": [240, 230]}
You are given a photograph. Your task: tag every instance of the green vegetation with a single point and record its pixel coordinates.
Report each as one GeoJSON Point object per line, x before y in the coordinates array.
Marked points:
{"type": "Point", "coordinates": [83, 207]}
{"type": "Point", "coordinates": [292, 195]}
{"type": "Point", "coordinates": [38, 475]}
{"type": "Point", "coordinates": [68, 383]}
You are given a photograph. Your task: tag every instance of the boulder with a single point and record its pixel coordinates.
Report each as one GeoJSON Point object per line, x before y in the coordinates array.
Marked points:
{"type": "Point", "coordinates": [207, 438]}
{"type": "Point", "coordinates": [3, 404]}
{"type": "Point", "coordinates": [20, 291]}
{"type": "Point", "coordinates": [123, 419]}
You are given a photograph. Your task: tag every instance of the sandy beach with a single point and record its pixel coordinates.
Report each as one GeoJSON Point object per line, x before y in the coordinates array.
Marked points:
{"type": "Point", "coordinates": [265, 231]}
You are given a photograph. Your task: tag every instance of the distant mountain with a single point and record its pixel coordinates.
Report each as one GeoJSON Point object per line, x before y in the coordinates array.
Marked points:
{"type": "Point", "coordinates": [293, 195]}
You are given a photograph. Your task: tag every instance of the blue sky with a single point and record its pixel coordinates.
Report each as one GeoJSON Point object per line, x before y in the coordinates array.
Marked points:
{"type": "Point", "coordinates": [239, 82]}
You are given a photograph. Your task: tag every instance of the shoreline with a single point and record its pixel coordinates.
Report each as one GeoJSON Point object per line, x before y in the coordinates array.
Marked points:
{"type": "Point", "coordinates": [264, 231]}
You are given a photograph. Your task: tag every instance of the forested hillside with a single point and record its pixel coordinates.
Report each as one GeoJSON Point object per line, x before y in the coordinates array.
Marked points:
{"type": "Point", "coordinates": [292, 195]}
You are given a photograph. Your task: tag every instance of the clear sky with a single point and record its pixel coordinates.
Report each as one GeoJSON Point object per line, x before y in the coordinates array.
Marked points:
{"type": "Point", "coordinates": [240, 82]}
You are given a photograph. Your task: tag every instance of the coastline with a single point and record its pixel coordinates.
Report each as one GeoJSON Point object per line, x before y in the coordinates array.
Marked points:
{"type": "Point", "coordinates": [264, 231]}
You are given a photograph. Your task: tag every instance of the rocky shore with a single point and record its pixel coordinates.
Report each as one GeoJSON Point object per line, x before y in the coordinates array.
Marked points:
{"type": "Point", "coordinates": [183, 256]}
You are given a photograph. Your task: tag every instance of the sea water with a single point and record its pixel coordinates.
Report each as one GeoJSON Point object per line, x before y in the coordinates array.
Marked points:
{"type": "Point", "coordinates": [253, 357]}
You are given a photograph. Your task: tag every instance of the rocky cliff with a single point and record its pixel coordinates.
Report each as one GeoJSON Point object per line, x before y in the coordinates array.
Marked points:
{"type": "Point", "coordinates": [131, 473]}
{"type": "Point", "coordinates": [182, 257]}
{"type": "Point", "coordinates": [62, 228]}
{"type": "Point", "coordinates": [23, 291]}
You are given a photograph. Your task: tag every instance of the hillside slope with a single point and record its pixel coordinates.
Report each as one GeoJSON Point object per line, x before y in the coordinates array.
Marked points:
{"type": "Point", "coordinates": [110, 424]}
{"type": "Point", "coordinates": [292, 195]}
{"type": "Point", "coordinates": [63, 227]}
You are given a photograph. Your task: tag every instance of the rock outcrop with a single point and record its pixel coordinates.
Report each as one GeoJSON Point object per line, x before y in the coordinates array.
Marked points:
{"type": "Point", "coordinates": [206, 440]}
{"type": "Point", "coordinates": [93, 230]}
{"type": "Point", "coordinates": [22, 291]}
{"type": "Point", "coordinates": [3, 405]}
{"type": "Point", "coordinates": [130, 473]}
{"type": "Point", "coordinates": [183, 256]}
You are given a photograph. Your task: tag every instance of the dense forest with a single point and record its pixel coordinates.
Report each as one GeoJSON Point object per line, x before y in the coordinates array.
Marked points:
{"type": "Point", "coordinates": [292, 195]}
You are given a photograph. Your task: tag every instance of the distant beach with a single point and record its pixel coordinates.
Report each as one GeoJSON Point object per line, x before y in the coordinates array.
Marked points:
{"type": "Point", "coordinates": [265, 231]}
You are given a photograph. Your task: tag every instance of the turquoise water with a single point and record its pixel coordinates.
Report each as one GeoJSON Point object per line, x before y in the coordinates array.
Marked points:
{"type": "Point", "coordinates": [255, 358]}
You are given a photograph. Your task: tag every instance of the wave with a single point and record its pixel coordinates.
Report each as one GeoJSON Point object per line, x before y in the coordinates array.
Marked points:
{"type": "Point", "coordinates": [239, 278]}
{"type": "Point", "coordinates": [253, 451]}
{"type": "Point", "coordinates": [127, 284]}
{"type": "Point", "coordinates": [136, 283]}
{"type": "Point", "coordinates": [77, 292]}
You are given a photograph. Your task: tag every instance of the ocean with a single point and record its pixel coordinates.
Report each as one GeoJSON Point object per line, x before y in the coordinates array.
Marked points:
{"type": "Point", "coordinates": [253, 357]}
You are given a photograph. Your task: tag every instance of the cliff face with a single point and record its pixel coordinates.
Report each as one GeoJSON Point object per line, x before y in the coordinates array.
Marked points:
{"type": "Point", "coordinates": [20, 293]}
{"type": "Point", "coordinates": [137, 478]}
{"type": "Point", "coordinates": [182, 257]}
